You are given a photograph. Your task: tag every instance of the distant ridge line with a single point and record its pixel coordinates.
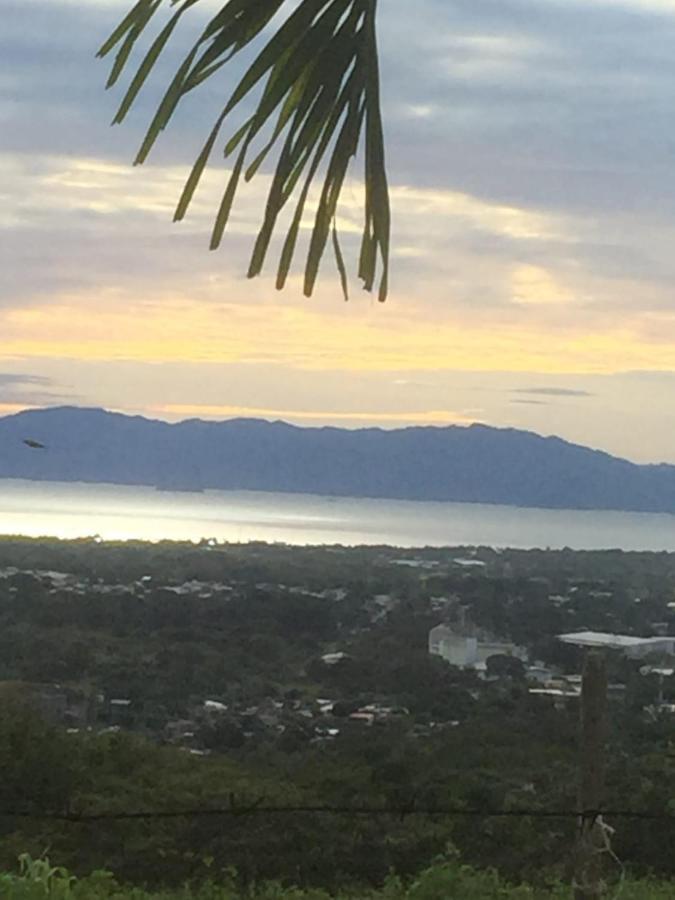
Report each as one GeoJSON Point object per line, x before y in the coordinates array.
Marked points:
{"type": "Point", "coordinates": [464, 464]}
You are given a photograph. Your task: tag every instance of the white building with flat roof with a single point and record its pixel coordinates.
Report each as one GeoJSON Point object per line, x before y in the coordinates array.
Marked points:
{"type": "Point", "coordinates": [635, 647]}
{"type": "Point", "coordinates": [468, 651]}
{"type": "Point", "coordinates": [457, 649]}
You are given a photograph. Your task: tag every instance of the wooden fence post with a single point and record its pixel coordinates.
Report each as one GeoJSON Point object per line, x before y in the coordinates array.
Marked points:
{"type": "Point", "coordinates": [588, 881]}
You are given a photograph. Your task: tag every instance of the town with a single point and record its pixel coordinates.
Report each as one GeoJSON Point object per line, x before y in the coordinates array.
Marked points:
{"type": "Point", "coordinates": [172, 675]}
{"type": "Point", "coordinates": [211, 664]}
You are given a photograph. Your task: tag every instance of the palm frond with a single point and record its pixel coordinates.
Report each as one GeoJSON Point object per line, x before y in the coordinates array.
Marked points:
{"type": "Point", "coordinates": [319, 99]}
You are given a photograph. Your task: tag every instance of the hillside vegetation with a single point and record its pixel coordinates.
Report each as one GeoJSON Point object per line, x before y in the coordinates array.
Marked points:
{"type": "Point", "coordinates": [476, 464]}
{"type": "Point", "coordinates": [183, 714]}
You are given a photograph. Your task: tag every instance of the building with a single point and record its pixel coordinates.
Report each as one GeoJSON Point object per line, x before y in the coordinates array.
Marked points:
{"type": "Point", "coordinates": [415, 563]}
{"type": "Point", "coordinates": [120, 711]}
{"type": "Point", "coordinates": [561, 697]}
{"type": "Point", "coordinates": [634, 647]}
{"type": "Point", "coordinates": [457, 649]}
{"type": "Point", "coordinates": [541, 674]}
{"type": "Point", "coordinates": [469, 563]}
{"type": "Point", "coordinates": [469, 651]}
{"type": "Point", "coordinates": [332, 659]}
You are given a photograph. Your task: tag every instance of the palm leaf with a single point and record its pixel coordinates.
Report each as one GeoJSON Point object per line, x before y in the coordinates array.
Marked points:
{"type": "Point", "coordinates": [318, 93]}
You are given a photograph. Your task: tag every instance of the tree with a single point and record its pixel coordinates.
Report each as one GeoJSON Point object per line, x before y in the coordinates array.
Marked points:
{"type": "Point", "coordinates": [318, 84]}
{"type": "Point", "coordinates": [40, 763]}
{"type": "Point", "coordinates": [503, 666]}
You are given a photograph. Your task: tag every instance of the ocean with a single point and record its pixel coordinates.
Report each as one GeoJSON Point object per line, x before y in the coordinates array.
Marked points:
{"type": "Point", "coordinates": [121, 512]}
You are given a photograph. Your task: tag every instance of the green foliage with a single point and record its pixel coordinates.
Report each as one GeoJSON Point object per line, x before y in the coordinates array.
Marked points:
{"type": "Point", "coordinates": [40, 765]}
{"type": "Point", "coordinates": [256, 639]}
{"type": "Point", "coordinates": [319, 92]}
{"type": "Point", "coordinates": [38, 879]}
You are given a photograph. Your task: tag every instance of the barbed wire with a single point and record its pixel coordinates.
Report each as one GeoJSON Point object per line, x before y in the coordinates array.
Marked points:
{"type": "Point", "coordinates": [259, 807]}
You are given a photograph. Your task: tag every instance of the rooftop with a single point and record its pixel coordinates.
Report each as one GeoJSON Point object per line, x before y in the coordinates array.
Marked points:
{"type": "Point", "coordinates": [605, 639]}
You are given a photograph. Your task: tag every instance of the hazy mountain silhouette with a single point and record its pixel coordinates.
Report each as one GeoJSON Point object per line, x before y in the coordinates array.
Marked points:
{"type": "Point", "coordinates": [475, 463]}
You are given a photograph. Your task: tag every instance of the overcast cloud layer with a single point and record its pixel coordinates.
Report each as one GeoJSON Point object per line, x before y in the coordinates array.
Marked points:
{"type": "Point", "coordinates": [532, 161]}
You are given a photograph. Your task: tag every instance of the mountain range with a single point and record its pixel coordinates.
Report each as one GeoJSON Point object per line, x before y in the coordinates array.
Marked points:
{"type": "Point", "coordinates": [474, 463]}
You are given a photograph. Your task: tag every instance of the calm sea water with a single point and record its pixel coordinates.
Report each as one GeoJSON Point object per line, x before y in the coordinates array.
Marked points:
{"type": "Point", "coordinates": [116, 512]}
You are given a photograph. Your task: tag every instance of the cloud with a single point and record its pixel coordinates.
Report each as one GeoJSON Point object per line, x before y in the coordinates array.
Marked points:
{"type": "Point", "coordinates": [520, 139]}
{"type": "Point", "coordinates": [552, 392]}
{"type": "Point", "coordinates": [530, 149]}
{"type": "Point", "coordinates": [540, 92]}
{"type": "Point", "coordinates": [11, 379]}
{"type": "Point", "coordinates": [18, 390]}
{"type": "Point", "coordinates": [161, 327]}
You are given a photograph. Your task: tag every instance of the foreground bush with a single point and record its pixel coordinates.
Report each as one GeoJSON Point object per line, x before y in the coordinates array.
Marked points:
{"type": "Point", "coordinates": [38, 879]}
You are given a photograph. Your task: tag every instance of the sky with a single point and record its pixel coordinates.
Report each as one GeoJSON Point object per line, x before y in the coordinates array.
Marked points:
{"type": "Point", "coordinates": [531, 157]}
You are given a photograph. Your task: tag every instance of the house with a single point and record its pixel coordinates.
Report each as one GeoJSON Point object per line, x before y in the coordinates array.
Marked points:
{"type": "Point", "coordinates": [471, 563]}
{"type": "Point", "coordinates": [332, 659]}
{"type": "Point", "coordinates": [364, 718]}
{"type": "Point", "coordinates": [120, 711]}
{"type": "Point", "coordinates": [541, 674]}
{"type": "Point", "coordinates": [215, 707]}
{"type": "Point", "coordinates": [56, 579]}
{"type": "Point", "coordinates": [329, 733]}
{"type": "Point", "coordinates": [415, 563]}
{"type": "Point", "coordinates": [561, 697]}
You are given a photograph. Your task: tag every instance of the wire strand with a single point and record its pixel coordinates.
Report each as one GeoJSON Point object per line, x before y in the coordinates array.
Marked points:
{"type": "Point", "coordinates": [257, 808]}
